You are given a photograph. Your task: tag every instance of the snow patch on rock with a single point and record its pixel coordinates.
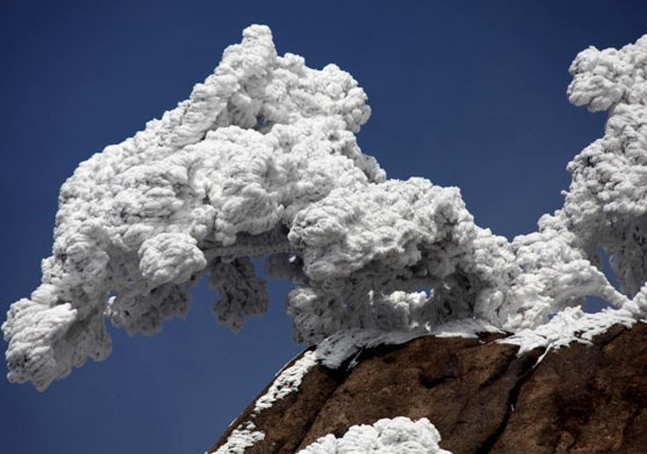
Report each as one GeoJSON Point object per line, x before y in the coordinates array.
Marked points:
{"type": "Point", "coordinates": [241, 439]}
{"type": "Point", "coordinates": [286, 382]}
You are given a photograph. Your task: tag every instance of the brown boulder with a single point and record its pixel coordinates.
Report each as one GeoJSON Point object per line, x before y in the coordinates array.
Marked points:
{"type": "Point", "coordinates": [479, 394]}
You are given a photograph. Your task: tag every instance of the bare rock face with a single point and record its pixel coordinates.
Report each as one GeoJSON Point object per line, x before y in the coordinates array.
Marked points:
{"type": "Point", "coordinates": [479, 394]}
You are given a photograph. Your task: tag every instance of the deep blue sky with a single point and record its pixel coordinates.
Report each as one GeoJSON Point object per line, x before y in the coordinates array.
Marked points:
{"type": "Point", "coordinates": [470, 94]}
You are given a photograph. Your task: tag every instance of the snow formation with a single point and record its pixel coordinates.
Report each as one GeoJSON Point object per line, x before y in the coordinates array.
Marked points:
{"type": "Point", "coordinates": [262, 162]}
{"type": "Point", "coordinates": [386, 436]}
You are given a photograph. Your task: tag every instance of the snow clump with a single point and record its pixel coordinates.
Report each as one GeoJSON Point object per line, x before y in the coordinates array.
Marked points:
{"type": "Point", "coordinates": [386, 436]}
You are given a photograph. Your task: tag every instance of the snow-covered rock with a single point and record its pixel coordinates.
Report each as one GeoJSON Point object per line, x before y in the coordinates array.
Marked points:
{"type": "Point", "coordinates": [465, 395]}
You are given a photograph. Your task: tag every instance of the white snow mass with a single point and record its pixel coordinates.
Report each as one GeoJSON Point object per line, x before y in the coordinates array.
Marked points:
{"type": "Point", "coordinates": [262, 162]}
{"type": "Point", "coordinates": [386, 436]}
{"type": "Point", "coordinates": [286, 382]}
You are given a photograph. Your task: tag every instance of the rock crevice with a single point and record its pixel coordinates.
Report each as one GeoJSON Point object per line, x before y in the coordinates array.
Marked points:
{"type": "Point", "coordinates": [523, 374]}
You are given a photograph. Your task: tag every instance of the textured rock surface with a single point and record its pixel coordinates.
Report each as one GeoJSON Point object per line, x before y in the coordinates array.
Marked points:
{"type": "Point", "coordinates": [480, 396]}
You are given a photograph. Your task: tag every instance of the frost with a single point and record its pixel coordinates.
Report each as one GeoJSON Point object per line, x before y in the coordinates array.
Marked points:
{"type": "Point", "coordinates": [261, 162]}
{"type": "Point", "coordinates": [386, 436]}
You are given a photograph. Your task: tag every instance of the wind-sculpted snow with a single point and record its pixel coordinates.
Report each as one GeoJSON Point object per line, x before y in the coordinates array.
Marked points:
{"type": "Point", "coordinates": [386, 436]}
{"type": "Point", "coordinates": [605, 212]}
{"type": "Point", "coordinates": [366, 254]}
{"type": "Point", "coordinates": [607, 202]}
{"type": "Point", "coordinates": [216, 180]}
{"type": "Point", "coordinates": [262, 162]}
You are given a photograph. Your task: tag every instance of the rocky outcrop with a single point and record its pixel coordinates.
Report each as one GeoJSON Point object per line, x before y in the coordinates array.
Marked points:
{"type": "Point", "coordinates": [478, 393]}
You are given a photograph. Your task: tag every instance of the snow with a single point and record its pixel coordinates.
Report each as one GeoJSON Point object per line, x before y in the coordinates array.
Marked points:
{"type": "Point", "coordinates": [386, 436]}
{"type": "Point", "coordinates": [606, 204]}
{"type": "Point", "coordinates": [200, 190]}
{"type": "Point", "coordinates": [241, 439]}
{"type": "Point", "coordinates": [261, 161]}
{"type": "Point", "coordinates": [567, 326]}
{"type": "Point", "coordinates": [366, 253]}
{"type": "Point", "coordinates": [336, 349]}
{"type": "Point", "coordinates": [288, 381]}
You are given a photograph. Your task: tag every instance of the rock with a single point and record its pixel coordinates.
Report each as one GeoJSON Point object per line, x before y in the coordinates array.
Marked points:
{"type": "Point", "coordinates": [584, 399]}
{"type": "Point", "coordinates": [478, 393]}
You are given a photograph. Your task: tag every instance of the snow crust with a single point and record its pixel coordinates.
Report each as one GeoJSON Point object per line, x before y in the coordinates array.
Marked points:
{"type": "Point", "coordinates": [261, 161]}
{"type": "Point", "coordinates": [387, 436]}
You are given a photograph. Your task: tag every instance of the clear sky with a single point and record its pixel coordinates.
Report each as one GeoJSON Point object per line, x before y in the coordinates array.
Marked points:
{"type": "Point", "coordinates": [464, 93]}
